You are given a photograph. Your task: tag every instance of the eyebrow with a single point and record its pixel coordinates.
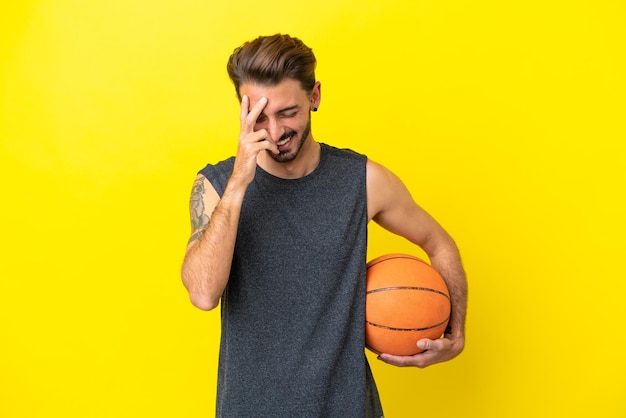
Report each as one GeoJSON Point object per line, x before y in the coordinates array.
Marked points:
{"type": "Point", "coordinates": [288, 108]}
{"type": "Point", "coordinates": [284, 109]}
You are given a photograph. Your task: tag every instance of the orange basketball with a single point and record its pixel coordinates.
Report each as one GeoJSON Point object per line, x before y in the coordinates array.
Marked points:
{"type": "Point", "coordinates": [406, 300]}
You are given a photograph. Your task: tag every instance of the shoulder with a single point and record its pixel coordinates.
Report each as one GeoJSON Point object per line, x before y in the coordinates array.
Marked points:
{"type": "Point", "coordinates": [344, 162]}
{"type": "Point", "coordinates": [218, 174]}
{"type": "Point", "coordinates": [345, 154]}
{"type": "Point", "coordinates": [224, 165]}
{"type": "Point", "coordinates": [385, 190]}
{"type": "Point", "coordinates": [379, 176]}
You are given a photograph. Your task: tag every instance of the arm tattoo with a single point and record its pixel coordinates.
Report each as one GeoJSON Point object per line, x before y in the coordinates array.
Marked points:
{"type": "Point", "coordinates": [199, 219]}
{"type": "Point", "coordinates": [196, 235]}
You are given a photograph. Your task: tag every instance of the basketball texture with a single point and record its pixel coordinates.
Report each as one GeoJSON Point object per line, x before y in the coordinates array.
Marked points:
{"type": "Point", "coordinates": [406, 300]}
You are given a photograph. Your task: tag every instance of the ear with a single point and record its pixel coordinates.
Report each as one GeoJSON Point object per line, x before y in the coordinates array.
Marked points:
{"type": "Point", "coordinates": [316, 96]}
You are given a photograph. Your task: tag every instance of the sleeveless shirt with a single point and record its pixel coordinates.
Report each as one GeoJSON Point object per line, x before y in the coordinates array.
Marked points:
{"type": "Point", "coordinates": [293, 310]}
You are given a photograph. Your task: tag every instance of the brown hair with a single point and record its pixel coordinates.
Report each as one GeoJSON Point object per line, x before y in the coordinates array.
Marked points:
{"type": "Point", "coordinates": [269, 60]}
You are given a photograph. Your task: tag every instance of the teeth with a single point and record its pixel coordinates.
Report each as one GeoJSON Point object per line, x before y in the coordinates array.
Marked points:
{"type": "Point", "coordinates": [284, 141]}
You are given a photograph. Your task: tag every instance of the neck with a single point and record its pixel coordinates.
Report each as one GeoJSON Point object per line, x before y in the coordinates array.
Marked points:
{"type": "Point", "coordinates": [305, 162]}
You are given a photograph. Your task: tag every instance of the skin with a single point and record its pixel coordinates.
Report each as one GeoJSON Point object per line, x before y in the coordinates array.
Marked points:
{"type": "Point", "coordinates": [269, 115]}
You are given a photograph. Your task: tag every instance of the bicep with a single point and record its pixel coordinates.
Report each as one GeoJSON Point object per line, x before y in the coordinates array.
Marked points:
{"type": "Point", "coordinates": [393, 208]}
{"type": "Point", "coordinates": [202, 202]}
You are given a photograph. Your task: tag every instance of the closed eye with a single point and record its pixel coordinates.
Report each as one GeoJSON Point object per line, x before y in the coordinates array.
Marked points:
{"type": "Point", "coordinates": [284, 113]}
{"type": "Point", "coordinates": [288, 112]}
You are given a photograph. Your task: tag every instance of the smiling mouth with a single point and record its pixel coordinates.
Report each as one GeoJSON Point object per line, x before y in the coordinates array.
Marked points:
{"type": "Point", "coordinates": [284, 141]}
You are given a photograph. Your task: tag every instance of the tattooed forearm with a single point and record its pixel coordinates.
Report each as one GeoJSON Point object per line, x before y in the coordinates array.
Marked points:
{"type": "Point", "coordinates": [197, 234]}
{"type": "Point", "coordinates": [199, 219]}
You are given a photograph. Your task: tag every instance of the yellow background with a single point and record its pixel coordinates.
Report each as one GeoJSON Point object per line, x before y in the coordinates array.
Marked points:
{"type": "Point", "coordinates": [505, 120]}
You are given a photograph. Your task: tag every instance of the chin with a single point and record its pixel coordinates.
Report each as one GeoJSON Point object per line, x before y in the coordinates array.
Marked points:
{"type": "Point", "coordinates": [284, 157]}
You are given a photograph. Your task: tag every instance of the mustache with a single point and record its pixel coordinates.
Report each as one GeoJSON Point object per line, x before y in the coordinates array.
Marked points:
{"type": "Point", "coordinates": [287, 134]}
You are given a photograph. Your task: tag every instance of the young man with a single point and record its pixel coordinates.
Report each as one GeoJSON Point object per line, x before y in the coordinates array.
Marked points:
{"type": "Point", "coordinates": [279, 236]}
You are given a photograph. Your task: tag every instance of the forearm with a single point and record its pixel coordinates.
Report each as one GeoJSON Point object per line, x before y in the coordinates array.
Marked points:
{"type": "Point", "coordinates": [207, 263]}
{"type": "Point", "coordinates": [447, 261]}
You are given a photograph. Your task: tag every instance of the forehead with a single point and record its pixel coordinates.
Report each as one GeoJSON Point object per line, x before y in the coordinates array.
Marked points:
{"type": "Point", "coordinates": [288, 91]}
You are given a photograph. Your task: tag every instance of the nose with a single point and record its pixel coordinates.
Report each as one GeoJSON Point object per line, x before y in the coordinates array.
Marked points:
{"type": "Point", "coordinates": [275, 129]}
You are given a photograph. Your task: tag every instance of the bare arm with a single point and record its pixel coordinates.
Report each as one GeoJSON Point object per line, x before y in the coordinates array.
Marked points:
{"type": "Point", "coordinates": [209, 255]}
{"type": "Point", "coordinates": [391, 206]}
{"type": "Point", "coordinates": [207, 262]}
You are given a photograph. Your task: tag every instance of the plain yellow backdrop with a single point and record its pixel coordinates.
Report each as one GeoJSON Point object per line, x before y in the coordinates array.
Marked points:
{"type": "Point", "coordinates": [506, 120]}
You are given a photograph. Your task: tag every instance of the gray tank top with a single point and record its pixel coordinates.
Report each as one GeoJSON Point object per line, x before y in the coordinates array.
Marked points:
{"type": "Point", "coordinates": [293, 310]}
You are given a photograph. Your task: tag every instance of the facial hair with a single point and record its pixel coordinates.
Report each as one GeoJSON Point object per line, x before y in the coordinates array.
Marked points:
{"type": "Point", "coordinates": [290, 155]}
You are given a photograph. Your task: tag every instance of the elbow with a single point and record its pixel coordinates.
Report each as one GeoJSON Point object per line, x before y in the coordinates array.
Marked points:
{"type": "Point", "coordinates": [439, 244]}
{"type": "Point", "coordinates": [198, 294]}
{"type": "Point", "coordinates": [203, 302]}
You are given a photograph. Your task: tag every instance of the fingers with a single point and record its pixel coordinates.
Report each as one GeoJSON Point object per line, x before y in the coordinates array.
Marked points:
{"type": "Point", "coordinates": [256, 141]}
{"type": "Point", "coordinates": [248, 120]}
{"type": "Point", "coordinates": [249, 116]}
{"type": "Point", "coordinates": [251, 142]}
{"type": "Point", "coordinates": [434, 352]}
{"type": "Point", "coordinates": [421, 360]}
{"type": "Point", "coordinates": [245, 107]}
{"type": "Point", "coordinates": [398, 361]}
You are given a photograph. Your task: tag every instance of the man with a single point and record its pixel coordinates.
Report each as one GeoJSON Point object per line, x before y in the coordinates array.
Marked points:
{"type": "Point", "coordinates": [279, 236]}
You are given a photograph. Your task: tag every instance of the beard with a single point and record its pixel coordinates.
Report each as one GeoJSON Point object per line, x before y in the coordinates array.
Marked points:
{"type": "Point", "coordinates": [298, 141]}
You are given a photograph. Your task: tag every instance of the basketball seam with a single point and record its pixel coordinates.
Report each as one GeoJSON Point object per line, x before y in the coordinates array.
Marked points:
{"type": "Point", "coordinates": [407, 329]}
{"type": "Point", "coordinates": [425, 289]}
{"type": "Point", "coordinates": [406, 257]}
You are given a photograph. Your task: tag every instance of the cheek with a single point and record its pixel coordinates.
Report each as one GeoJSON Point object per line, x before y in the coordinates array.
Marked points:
{"type": "Point", "coordinates": [302, 124]}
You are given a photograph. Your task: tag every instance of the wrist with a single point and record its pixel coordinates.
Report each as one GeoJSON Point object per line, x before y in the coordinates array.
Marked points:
{"type": "Point", "coordinates": [454, 333]}
{"type": "Point", "coordinates": [235, 189]}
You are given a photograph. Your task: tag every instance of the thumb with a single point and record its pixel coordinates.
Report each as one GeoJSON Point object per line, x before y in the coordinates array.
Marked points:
{"type": "Point", "coordinates": [425, 344]}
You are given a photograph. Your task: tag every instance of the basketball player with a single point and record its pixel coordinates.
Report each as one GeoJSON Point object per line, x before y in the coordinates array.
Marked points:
{"type": "Point", "coordinates": [279, 236]}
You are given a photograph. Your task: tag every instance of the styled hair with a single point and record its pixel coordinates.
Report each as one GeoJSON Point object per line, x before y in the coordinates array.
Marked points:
{"type": "Point", "coordinates": [268, 60]}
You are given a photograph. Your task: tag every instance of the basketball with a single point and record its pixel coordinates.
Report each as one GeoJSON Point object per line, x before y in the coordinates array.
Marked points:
{"type": "Point", "coordinates": [406, 300]}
